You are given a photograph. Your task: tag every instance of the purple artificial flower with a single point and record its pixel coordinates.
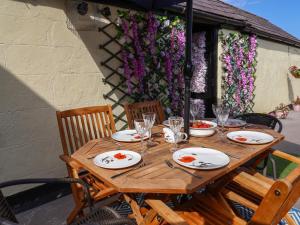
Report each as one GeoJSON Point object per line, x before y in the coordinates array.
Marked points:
{"type": "Point", "coordinates": [127, 71]}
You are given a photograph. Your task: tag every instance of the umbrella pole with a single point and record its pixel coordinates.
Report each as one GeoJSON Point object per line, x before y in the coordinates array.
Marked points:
{"type": "Point", "coordinates": [188, 69]}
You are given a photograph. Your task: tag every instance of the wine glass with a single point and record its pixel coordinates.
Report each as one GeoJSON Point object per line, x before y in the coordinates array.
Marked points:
{"type": "Point", "coordinates": [194, 109]}
{"type": "Point", "coordinates": [141, 128]}
{"type": "Point", "coordinates": [175, 123]}
{"type": "Point", "coordinates": [222, 114]}
{"type": "Point", "coordinates": [149, 119]}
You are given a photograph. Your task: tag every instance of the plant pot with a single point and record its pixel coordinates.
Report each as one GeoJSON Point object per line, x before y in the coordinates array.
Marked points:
{"type": "Point", "coordinates": [296, 75]}
{"type": "Point", "coordinates": [281, 114]}
{"type": "Point", "coordinates": [296, 108]}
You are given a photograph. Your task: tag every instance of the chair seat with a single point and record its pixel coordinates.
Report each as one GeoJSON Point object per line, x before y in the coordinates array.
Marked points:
{"type": "Point", "coordinates": [247, 213]}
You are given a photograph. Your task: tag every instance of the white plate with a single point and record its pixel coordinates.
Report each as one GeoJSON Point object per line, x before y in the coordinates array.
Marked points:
{"type": "Point", "coordinates": [214, 158]}
{"type": "Point", "coordinates": [233, 123]}
{"type": "Point", "coordinates": [252, 137]}
{"type": "Point", "coordinates": [127, 136]}
{"type": "Point", "coordinates": [109, 160]}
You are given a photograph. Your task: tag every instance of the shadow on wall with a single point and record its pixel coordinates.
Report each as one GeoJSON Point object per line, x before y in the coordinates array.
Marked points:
{"type": "Point", "coordinates": [290, 89]}
{"type": "Point", "coordinates": [87, 33]}
{"type": "Point", "coordinates": [29, 138]}
{"type": "Point", "coordinates": [29, 141]}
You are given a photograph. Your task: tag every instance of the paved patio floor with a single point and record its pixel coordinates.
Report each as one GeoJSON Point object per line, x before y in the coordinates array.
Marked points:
{"type": "Point", "coordinates": [55, 212]}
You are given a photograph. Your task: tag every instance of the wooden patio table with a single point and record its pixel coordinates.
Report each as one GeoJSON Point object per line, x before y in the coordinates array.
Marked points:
{"type": "Point", "coordinates": [156, 176]}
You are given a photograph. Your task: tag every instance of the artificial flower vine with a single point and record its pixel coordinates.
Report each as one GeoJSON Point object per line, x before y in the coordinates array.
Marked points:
{"type": "Point", "coordinates": [153, 57]}
{"type": "Point", "coordinates": [198, 82]}
{"type": "Point", "coordinates": [239, 65]}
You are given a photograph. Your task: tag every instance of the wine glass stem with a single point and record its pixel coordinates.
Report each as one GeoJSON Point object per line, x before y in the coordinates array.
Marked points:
{"type": "Point", "coordinates": [222, 131]}
{"type": "Point", "coordinates": [175, 141]}
{"type": "Point", "coordinates": [150, 134]}
{"type": "Point", "coordinates": [142, 145]}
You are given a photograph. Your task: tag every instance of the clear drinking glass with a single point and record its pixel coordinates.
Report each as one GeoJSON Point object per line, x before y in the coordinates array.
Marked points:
{"type": "Point", "coordinates": [149, 118]}
{"type": "Point", "coordinates": [194, 109]}
{"type": "Point", "coordinates": [222, 114]}
{"type": "Point", "coordinates": [175, 123]}
{"type": "Point", "coordinates": [141, 128]}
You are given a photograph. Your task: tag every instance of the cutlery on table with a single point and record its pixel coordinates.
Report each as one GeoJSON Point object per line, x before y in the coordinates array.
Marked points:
{"type": "Point", "coordinates": [169, 164]}
{"type": "Point", "coordinates": [127, 171]}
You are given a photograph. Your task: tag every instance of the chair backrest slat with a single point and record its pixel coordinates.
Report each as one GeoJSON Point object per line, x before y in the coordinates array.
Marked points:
{"type": "Point", "coordinates": [135, 111]}
{"type": "Point", "coordinates": [78, 126]}
{"type": "Point", "coordinates": [99, 126]}
{"type": "Point", "coordinates": [82, 120]}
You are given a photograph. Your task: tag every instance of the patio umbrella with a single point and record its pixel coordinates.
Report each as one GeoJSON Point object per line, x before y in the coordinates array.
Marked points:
{"type": "Point", "coordinates": [188, 69]}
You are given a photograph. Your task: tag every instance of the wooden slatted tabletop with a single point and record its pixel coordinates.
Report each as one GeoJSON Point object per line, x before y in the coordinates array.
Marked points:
{"type": "Point", "coordinates": [156, 176]}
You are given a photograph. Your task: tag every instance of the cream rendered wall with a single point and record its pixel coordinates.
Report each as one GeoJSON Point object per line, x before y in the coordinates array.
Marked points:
{"type": "Point", "coordinates": [274, 85]}
{"type": "Point", "coordinates": [44, 67]}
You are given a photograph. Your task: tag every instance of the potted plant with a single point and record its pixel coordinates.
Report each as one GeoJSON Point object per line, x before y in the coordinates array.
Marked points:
{"type": "Point", "coordinates": [281, 111]}
{"type": "Point", "coordinates": [295, 71]}
{"type": "Point", "coordinates": [296, 104]}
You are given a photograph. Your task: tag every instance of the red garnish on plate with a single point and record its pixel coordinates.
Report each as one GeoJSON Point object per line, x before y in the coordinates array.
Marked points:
{"type": "Point", "coordinates": [120, 156]}
{"type": "Point", "coordinates": [187, 159]}
{"type": "Point", "coordinates": [137, 136]}
{"type": "Point", "coordinates": [200, 124]}
{"type": "Point", "coordinates": [241, 139]}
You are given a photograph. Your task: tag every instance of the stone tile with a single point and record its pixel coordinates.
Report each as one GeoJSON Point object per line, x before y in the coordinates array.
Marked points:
{"type": "Point", "coordinates": [33, 60]}
{"type": "Point", "coordinates": [29, 31]}
{"type": "Point", "coordinates": [81, 60]}
{"type": "Point", "coordinates": [2, 56]}
{"type": "Point", "coordinates": [22, 127]}
{"type": "Point", "coordinates": [52, 213]}
{"type": "Point", "coordinates": [291, 143]}
{"type": "Point", "coordinates": [25, 92]}
{"type": "Point", "coordinates": [42, 9]}
{"type": "Point", "coordinates": [38, 158]}
{"type": "Point", "coordinates": [73, 90]}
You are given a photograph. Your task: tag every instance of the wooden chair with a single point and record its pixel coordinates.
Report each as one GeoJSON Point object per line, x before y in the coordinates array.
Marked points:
{"type": "Point", "coordinates": [262, 119]}
{"type": "Point", "coordinates": [269, 200]}
{"type": "Point", "coordinates": [76, 128]}
{"type": "Point", "coordinates": [135, 111]}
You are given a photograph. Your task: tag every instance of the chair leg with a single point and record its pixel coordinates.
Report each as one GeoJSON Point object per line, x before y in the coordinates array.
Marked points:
{"type": "Point", "coordinates": [77, 196]}
{"type": "Point", "coordinates": [273, 167]}
{"type": "Point", "coordinates": [78, 210]}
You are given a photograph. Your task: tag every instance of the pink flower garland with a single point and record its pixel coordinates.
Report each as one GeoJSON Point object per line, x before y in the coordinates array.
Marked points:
{"type": "Point", "coordinates": [239, 65]}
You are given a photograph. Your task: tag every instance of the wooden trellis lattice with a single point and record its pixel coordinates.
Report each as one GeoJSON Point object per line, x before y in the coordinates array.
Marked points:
{"type": "Point", "coordinates": [114, 78]}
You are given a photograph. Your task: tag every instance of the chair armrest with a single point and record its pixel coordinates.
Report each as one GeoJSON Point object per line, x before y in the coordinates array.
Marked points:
{"type": "Point", "coordinates": [250, 183]}
{"type": "Point", "coordinates": [285, 156]}
{"type": "Point", "coordinates": [165, 212]}
{"type": "Point", "coordinates": [70, 162]}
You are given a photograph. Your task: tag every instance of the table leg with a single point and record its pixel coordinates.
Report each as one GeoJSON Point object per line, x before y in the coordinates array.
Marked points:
{"type": "Point", "coordinates": [135, 208]}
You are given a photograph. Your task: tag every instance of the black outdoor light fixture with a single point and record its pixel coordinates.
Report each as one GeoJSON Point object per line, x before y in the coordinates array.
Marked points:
{"type": "Point", "coordinates": [82, 8]}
